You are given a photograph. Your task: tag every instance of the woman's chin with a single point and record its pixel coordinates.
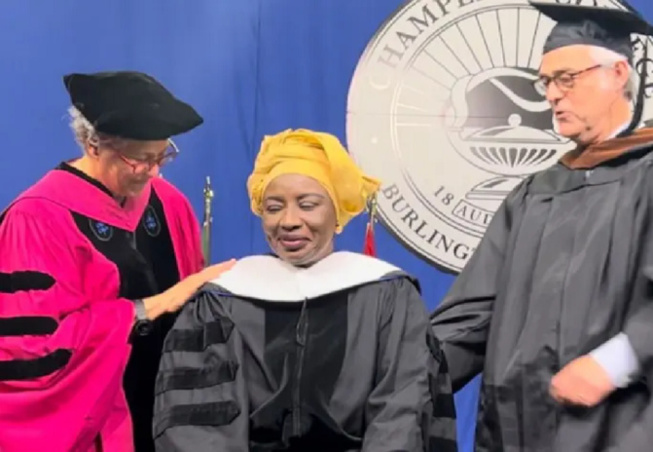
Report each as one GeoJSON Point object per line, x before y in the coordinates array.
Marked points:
{"type": "Point", "coordinates": [304, 256]}
{"type": "Point", "coordinates": [299, 257]}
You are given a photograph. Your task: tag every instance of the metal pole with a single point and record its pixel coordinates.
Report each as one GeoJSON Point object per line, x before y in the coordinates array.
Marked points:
{"type": "Point", "coordinates": [207, 222]}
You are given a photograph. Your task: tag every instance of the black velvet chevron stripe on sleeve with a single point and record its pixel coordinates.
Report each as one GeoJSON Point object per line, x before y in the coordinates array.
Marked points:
{"type": "Point", "coordinates": [197, 340]}
{"type": "Point", "coordinates": [27, 369]}
{"type": "Point", "coordinates": [24, 281]}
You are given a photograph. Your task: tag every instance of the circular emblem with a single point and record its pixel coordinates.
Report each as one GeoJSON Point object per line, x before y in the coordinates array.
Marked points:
{"type": "Point", "coordinates": [442, 109]}
{"type": "Point", "coordinates": [102, 231]}
{"type": "Point", "coordinates": [151, 222]}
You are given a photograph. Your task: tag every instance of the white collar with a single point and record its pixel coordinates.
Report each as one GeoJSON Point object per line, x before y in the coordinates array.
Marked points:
{"type": "Point", "coordinates": [619, 129]}
{"type": "Point", "coordinates": [271, 279]}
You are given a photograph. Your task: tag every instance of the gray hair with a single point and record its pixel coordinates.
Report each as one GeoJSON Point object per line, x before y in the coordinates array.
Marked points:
{"type": "Point", "coordinates": [608, 57]}
{"type": "Point", "coordinates": [85, 134]}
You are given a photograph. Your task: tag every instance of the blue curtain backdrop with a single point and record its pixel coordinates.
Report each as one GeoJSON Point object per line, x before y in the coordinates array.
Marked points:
{"type": "Point", "coordinates": [251, 67]}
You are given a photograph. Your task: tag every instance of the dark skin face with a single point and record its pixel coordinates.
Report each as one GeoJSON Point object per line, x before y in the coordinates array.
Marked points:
{"type": "Point", "coordinates": [299, 219]}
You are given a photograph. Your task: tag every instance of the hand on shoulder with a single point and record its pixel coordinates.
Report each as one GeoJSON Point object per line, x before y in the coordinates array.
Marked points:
{"type": "Point", "coordinates": [174, 298]}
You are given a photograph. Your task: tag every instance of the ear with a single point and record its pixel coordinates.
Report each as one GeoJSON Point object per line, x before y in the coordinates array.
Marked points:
{"type": "Point", "coordinates": [622, 72]}
{"type": "Point", "coordinates": [93, 151]}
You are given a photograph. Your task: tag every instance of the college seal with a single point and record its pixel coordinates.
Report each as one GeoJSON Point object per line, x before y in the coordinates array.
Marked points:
{"type": "Point", "coordinates": [443, 110]}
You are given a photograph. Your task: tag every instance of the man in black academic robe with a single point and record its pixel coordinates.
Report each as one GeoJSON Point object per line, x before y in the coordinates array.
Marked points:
{"type": "Point", "coordinates": [555, 308]}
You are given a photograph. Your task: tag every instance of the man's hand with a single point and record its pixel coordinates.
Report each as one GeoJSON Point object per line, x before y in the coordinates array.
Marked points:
{"type": "Point", "coordinates": [582, 382]}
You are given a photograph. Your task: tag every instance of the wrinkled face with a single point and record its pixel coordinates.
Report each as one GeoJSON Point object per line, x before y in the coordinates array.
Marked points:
{"type": "Point", "coordinates": [581, 92]}
{"type": "Point", "coordinates": [299, 219]}
{"type": "Point", "coordinates": [125, 166]}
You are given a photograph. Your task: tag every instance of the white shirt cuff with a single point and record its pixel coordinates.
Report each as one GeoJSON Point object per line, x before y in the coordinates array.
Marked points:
{"type": "Point", "coordinates": [618, 359]}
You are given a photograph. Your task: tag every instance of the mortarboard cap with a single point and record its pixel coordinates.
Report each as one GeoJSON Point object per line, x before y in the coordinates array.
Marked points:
{"type": "Point", "coordinates": [591, 25]}
{"type": "Point", "coordinates": [130, 105]}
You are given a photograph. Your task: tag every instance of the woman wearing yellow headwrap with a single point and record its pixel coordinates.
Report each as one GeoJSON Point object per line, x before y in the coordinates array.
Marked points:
{"type": "Point", "coordinates": [310, 349]}
{"type": "Point", "coordinates": [306, 187]}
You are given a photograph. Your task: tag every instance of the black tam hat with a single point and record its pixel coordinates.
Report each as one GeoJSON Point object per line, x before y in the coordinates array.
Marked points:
{"type": "Point", "coordinates": [130, 105]}
{"type": "Point", "coordinates": [608, 28]}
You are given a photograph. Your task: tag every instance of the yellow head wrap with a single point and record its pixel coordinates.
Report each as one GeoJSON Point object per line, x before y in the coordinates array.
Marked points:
{"type": "Point", "coordinates": [320, 156]}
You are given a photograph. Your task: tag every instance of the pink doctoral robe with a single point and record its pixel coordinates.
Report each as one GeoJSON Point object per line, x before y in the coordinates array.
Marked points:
{"type": "Point", "coordinates": [65, 321]}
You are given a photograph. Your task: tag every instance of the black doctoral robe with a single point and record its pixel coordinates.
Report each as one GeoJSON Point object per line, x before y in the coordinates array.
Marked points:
{"type": "Point", "coordinates": [564, 266]}
{"type": "Point", "coordinates": [336, 357]}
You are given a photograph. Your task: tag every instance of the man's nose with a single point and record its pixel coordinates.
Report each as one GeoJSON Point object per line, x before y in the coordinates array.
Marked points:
{"type": "Point", "coordinates": [553, 93]}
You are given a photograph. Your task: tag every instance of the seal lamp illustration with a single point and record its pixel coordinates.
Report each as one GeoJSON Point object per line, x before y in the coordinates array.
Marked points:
{"type": "Point", "coordinates": [500, 124]}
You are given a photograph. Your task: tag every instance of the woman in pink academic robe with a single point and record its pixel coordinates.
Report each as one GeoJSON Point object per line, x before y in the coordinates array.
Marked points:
{"type": "Point", "coordinates": [96, 259]}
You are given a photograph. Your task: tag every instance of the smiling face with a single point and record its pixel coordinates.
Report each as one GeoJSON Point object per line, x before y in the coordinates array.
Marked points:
{"type": "Point", "coordinates": [299, 219]}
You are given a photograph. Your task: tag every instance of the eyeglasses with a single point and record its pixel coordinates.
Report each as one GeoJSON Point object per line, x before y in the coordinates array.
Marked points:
{"type": "Point", "coordinates": [144, 165]}
{"type": "Point", "coordinates": [565, 81]}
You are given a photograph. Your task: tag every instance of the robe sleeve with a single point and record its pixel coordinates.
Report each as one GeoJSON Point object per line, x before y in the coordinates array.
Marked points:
{"type": "Point", "coordinates": [201, 402]}
{"type": "Point", "coordinates": [639, 326]}
{"type": "Point", "coordinates": [411, 406]}
{"type": "Point", "coordinates": [461, 322]}
{"type": "Point", "coordinates": [62, 356]}
{"type": "Point", "coordinates": [639, 329]}
{"type": "Point", "coordinates": [638, 332]}
{"type": "Point", "coordinates": [639, 435]}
